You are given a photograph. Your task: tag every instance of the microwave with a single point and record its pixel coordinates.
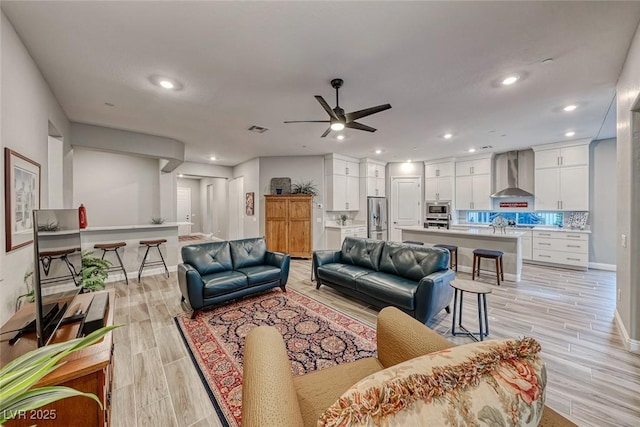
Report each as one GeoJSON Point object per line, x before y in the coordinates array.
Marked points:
{"type": "Point", "coordinates": [438, 209]}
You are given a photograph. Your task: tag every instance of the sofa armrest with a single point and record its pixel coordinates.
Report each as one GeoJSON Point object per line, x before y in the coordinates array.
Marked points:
{"type": "Point", "coordinates": [282, 261]}
{"type": "Point", "coordinates": [401, 338]}
{"type": "Point", "coordinates": [433, 294]}
{"type": "Point", "coordinates": [324, 257]}
{"type": "Point", "coordinates": [269, 397]}
{"type": "Point", "coordinates": [191, 285]}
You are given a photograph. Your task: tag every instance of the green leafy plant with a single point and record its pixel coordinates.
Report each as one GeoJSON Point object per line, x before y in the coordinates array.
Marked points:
{"type": "Point", "coordinates": [94, 271]}
{"type": "Point", "coordinates": [157, 220]}
{"type": "Point", "coordinates": [50, 226]}
{"type": "Point", "coordinates": [30, 295]}
{"type": "Point", "coordinates": [19, 376]}
{"type": "Point", "coordinates": [344, 218]}
{"type": "Point", "coordinates": [305, 187]}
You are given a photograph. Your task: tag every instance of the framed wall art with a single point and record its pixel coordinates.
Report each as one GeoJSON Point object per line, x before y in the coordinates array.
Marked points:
{"type": "Point", "coordinates": [21, 197]}
{"type": "Point", "coordinates": [249, 204]}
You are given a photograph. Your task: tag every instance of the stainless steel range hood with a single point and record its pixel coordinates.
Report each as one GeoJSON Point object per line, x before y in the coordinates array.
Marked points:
{"type": "Point", "coordinates": [507, 179]}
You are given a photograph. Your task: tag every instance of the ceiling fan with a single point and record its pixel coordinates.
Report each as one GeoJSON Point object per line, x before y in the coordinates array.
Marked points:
{"type": "Point", "coordinates": [338, 119]}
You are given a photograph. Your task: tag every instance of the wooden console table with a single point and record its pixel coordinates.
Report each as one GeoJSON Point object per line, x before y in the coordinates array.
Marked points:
{"type": "Point", "coordinates": [89, 370]}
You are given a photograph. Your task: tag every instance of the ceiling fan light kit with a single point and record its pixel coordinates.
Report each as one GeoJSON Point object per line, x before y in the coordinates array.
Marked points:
{"type": "Point", "coordinates": [338, 120]}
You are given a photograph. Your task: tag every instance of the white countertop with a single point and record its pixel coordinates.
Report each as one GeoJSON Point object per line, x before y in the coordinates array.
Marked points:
{"type": "Point", "coordinates": [484, 232]}
{"type": "Point", "coordinates": [331, 224]}
{"type": "Point", "coordinates": [131, 227]}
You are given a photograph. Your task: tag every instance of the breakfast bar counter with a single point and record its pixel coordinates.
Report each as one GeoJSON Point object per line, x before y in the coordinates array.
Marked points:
{"type": "Point", "coordinates": [468, 240]}
{"type": "Point", "coordinates": [133, 253]}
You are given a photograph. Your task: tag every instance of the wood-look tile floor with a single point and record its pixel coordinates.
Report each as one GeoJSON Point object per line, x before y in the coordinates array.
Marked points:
{"type": "Point", "coordinates": [593, 380]}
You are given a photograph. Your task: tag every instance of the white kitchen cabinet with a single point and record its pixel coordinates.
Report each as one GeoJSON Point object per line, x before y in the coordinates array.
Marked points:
{"type": "Point", "coordinates": [342, 183]}
{"type": "Point", "coordinates": [439, 181]}
{"type": "Point", "coordinates": [473, 184]}
{"type": "Point", "coordinates": [526, 243]}
{"type": "Point", "coordinates": [334, 236]}
{"type": "Point", "coordinates": [568, 248]}
{"type": "Point", "coordinates": [372, 179]}
{"type": "Point", "coordinates": [562, 178]}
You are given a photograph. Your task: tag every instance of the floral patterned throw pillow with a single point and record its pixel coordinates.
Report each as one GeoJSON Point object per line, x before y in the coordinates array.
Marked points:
{"type": "Point", "coordinates": [494, 383]}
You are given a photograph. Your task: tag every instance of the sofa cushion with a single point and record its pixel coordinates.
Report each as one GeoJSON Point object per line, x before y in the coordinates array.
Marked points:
{"type": "Point", "coordinates": [412, 262]}
{"type": "Point", "coordinates": [395, 290]}
{"type": "Point", "coordinates": [496, 383]}
{"type": "Point", "coordinates": [260, 274]}
{"type": "Point", "coordinates": [362, 252]}
{"type": "Point", "coordinates": [208, 258]}
{"type": "Point", "coordinates": [223, 283]}
{"type": "Point", "coordinates": [248, 252]}
{"type": "Point", "coordinates": [342, 274]}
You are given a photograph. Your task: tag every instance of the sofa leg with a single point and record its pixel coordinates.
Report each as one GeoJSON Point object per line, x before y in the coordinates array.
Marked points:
{"type": "Point", "coordinates": [318, 284]}
{"type": "Point", "coordinates": [447, 309]}
{"type": "Point", "coordinates": [193, 314]}
{"type": "Point", "coordinates": [284, 288]}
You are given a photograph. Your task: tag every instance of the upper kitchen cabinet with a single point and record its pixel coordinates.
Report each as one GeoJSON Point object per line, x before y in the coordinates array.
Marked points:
{"type": "Point", "coordinates": [562, 176]}
{"type": "Point", "coordinates": [342, 180]}
{"type": "Point", "coordinates": [439, 179]}
{"type": "Point", "coordinates": [473, 184]}
{"type": "Point", "coordinates": [372, 178]}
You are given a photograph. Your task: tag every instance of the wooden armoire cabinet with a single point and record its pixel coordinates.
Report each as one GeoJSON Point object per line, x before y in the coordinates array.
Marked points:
{"type": "Point", "coordinates": [288, 224]}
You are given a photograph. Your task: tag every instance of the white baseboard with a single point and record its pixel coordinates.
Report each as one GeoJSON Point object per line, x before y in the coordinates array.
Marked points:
{"type": "Point", "coordinates": [601, 266]}
{"type": "Point", "coordinates": [631, 345]}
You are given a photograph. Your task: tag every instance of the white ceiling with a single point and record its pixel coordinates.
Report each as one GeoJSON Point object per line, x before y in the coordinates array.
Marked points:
{"type": "Point", "coordinates": [260, 63]}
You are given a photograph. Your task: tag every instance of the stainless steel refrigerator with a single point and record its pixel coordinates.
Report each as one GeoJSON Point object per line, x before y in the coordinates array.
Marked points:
{"type": "Point", "coordinates": [377, 218]}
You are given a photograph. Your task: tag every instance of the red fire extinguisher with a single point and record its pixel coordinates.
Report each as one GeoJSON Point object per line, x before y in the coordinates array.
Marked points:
{"type": "Point", "coordinates": [82, 216]}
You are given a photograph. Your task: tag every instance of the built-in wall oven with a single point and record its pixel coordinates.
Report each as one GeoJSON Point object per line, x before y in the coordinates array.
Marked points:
{"type": "Point", "coordinates": [438, 215]}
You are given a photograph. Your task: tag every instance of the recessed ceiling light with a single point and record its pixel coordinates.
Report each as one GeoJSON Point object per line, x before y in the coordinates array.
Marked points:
{"type": "Point", "coordinates": [340, 137]}
{"type": "Point", "coordinates": [409, 161]}
{"type": "Point", "coordinates": [337, 126]}
{"type": "Point", "coordinates": [166, 84]}
{"type": "Point", "coordinates": [571, 133]}
{"type": "Point", "coordinates": [180, 175]}
{"type": "Point", "coordinates": [472, 150]}
{"type": "Point", "coordinates": [447, 136]}
{"type": "Point", "coordinates": [570, 107]}
{"type": "Point", "coordinates": [378, 151]}
{"type": "Point", "coordinates": [510, 80]}
{"type": "Point", "coordinates": [213, 158]}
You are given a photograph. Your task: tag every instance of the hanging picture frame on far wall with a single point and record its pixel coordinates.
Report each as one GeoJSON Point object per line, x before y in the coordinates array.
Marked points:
{"type": "Point", "coordinates": [249, 204]}
{"type": "Point", "coordinates": [21, 197]}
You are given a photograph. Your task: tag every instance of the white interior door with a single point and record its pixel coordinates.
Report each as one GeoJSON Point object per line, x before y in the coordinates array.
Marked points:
{"type": "Point", "coordinates": [184, 210]}
{"type": "Point", "coordinates": [236, 208]}
{"type": "Point", "coordinates": [406, 205]}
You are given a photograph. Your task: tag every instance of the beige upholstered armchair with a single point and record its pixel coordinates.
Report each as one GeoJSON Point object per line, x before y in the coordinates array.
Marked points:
{"type": "Point", "coordinates": [272, 397]}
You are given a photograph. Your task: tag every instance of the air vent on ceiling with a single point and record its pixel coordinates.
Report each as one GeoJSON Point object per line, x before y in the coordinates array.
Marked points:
{"type": "Point", "coordinates": [258, 129]}
{"type": "Point", "coordinates": [486, 147]}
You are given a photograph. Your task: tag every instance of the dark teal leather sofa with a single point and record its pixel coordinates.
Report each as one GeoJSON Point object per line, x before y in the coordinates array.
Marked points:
{"type": "Point", "coordinates": [219, 271]}
{"type": "Point", "coordinates": [414, 279]}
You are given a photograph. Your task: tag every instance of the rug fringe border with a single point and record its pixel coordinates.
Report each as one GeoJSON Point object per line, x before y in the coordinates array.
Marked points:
{"type": "Point", "coordinates": [212, 397]}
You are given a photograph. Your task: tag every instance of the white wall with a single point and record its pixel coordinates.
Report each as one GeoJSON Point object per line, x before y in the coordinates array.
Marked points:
{"type": "Point", "coordinates": [602, 201]}
{"type": "Point", "coordinates": [116, 189]}
{"type": "Point", "coordinates": [628, 197]}
{"type": "Point", "coordinates": [219, 223]}
{"type": "Point", "coordinates": [27, 106]}
{"type": "Point", "coordinates": [250, 171]}
{"type": "Point", "coordinates": [299, 168]}
{"type": "Point", "coordinates": [196, 194]}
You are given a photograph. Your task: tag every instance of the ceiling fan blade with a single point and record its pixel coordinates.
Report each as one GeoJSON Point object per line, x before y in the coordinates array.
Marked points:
{"type": "Point", "coordinates": [326, 107]}
{"type": "Point", "coordinates": [359, 126]}
{"type": "Point", "coordinates": [308, 121]}
{"type": "Point", "coordinates": [366, 112]}
{"type": "Point", "coordinates": [326, 132]}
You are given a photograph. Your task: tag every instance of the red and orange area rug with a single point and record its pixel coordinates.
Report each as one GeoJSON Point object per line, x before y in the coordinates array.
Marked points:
{"type": "Point", "coordinates": [316, 336]}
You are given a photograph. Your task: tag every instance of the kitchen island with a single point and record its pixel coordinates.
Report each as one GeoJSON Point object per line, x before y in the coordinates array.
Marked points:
{"type": "Point", "coordinates": [468, 240]}
{"type": "Point", "coordinates": [132, 253]}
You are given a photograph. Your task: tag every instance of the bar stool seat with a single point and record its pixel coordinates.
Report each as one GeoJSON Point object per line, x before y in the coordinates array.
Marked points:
{"type": "Point", "coordinates": [453, 251]}
{"type": "Point", "coordinates": [152, 244]}
{"type": "Point", "coordinates": [47, 257]}
{"type": "Point", "coordinates": [478, 254]}
{"type": "Point", "coordinates": [113, 247]}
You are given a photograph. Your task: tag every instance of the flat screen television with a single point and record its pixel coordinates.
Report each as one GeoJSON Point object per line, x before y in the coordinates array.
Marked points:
{"type": "Point", "coordinates": [57, 268]}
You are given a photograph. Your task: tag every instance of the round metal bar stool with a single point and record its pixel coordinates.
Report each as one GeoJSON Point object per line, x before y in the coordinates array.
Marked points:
{"type": "Point", "coordinates": [47, 257]}
{"type": "Point", "coordinates": [478, 254]}
{"type": "Point", "coordinates": [113, 247]}
{"type": "Point", "coordinates": [152, 244]}
{"type": "Point", "coordinates": [453, 252]}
